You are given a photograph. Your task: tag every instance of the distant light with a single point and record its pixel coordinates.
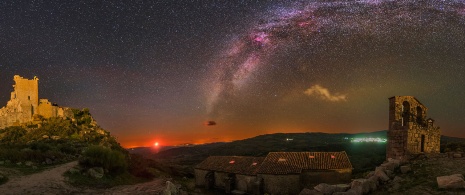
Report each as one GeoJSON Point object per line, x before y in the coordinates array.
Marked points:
{"type": "Point", "coordinates": [369, 139]}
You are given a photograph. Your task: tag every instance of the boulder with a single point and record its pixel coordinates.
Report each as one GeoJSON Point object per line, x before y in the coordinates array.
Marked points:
{"type": "Point", "coordinates": [457, 155]}
{"type": "Point", "coordinates": [48, 161]}
{"type": "Point", "coordinates": [341, 187]}
{"type": "Point", "coordinates": [348, 192]}
{"type": "Point", "coordinates": [390, 166]}
{"type": "Point", "coordinates": [307, 191]}
{"type": "Point", "coordinates": [361, 186]}
{"type": "Point", "coordinates": [325, 188]}
{"type": "Point", "coordinates": [95, 172]}
{"type": "Point", "coordinates": [28, 163]}
{"type": "Point", "coordinates": [405, 169]}
{"type": "Point", "coordinates": [381, 175]}
{"type": "Point", "coordinates": [451, 182]}
{"type": "Point", "coordinates": [371, 173]}
{"type": "Point", "coordinates": [396, 162]}
{"type": "Point", "coordinates": [170, 189]}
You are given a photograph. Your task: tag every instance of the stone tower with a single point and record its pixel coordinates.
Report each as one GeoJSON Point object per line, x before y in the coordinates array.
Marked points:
{"type": "Point", "coordinates": [26, 91]}
{"type": "Point", "coordinates": [409, 131]}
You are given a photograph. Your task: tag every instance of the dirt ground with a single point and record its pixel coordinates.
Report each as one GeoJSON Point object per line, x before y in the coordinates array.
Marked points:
{"type": "Point", "coordinates": [52, 181]}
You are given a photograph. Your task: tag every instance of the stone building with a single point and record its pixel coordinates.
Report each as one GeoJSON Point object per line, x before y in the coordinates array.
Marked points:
{"type": "Point", "coordinates": [24, 105]}
{"type": "Point", "coordinates": [277, 173]}
{"type": "Point", "coordinates": [410, 132]}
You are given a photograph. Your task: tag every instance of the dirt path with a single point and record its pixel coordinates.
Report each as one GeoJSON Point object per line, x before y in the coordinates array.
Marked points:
{"type": "Point", "coordinates": [52, 181]}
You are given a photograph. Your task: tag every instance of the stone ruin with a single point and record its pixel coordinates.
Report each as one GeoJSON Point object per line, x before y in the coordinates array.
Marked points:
{"type": "Point", "coordinates": [410, 132]}
{"type": "Point", "coordinates": [25, 107]}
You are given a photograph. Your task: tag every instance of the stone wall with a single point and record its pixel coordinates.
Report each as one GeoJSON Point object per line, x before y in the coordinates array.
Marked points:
{"type": "Point", "coordinates": [310, 178]}
{"type": "Point", "coordinates": [219, 179]}
{"type": "Point", "coordinates": [245, 183]}
{"type": "Point", "coordinates": [409, 130]}
{"type": "Point", "coordinates": [200, 177]}
{"type": "Point", "coordinates": [281, 184]}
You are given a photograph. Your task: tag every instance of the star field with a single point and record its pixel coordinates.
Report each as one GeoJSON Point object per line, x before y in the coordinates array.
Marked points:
{"type": "Point", "coordinates": [157, 70]}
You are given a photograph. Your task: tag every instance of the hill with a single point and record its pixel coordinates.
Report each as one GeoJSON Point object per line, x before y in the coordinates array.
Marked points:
{"type": "Point", "coordinates": [362, 155]}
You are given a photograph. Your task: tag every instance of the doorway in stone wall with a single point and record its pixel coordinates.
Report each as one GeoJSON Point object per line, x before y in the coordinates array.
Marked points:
{"type": "Point", "coordinates": [422, 143]}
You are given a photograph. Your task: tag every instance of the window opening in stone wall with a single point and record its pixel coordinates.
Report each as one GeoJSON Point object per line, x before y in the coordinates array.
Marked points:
{"type": "Point", "coordinates": [419, 115]}
{"type": "Point", "coordinates": [28, 97]}
{"type": "Point", "coordinates": [422, 143]}
{"type": "Point", "coordinates": [405, 113]}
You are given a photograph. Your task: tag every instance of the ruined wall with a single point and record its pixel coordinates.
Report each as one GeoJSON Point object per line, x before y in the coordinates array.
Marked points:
{"type": "Point", "coordinates": [409, 131]}
{"type": "Point", "coordinates": [24, 104]}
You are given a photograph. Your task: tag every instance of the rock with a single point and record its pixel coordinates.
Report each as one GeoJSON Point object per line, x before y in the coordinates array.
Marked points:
{"type": "Point", "coordinates": [405, 169]}
{"type": "Point", "coordinates": [341, 187]}
{"type": "Point", "coordinates": [397, 179]}
{"type": "Point", "coordinates": [19, 163]}
{"type": "Point", "coordinates": [28, 163]}
{"type": "Point", "coordinates": [374, 183]}
{"type": "Point", "coordinates": [396, 162]}
{"type": "Point", "coordinates": [45, 136]}
{"type": "Point", "coordinates": [390, 173]}
{"type": "Point", "coordinates": [389, 166]}
{"type": "Point", "coordinates": [361, 186]}
{"type": "Point", "coordinates": [48, 161]}
{"type": "Point", "coordinates": [348, 192]}
{"type": "Point", "coordinates": [7, 161]}
{"type": "Point", "coordinates": [381, 175]}
{"type": "Point", "coordinates": [371, 173]}
{"type": "Point", "coordinates": [451, 181]}
{"type": "Point", "coordinates": [457, 155]}
{"type": "Point", "coordinates": [170, 189]}
{"type": "Point", "coordinates": [307, 191]}
{"type": "Point", "coordinates": [2, 162]}
{"type": "Point", "coordinates": [96, 172]}
{"type": "Point", "coordinates": [325, 188]}
{"type": "Point", "coordinates": [34, 167]}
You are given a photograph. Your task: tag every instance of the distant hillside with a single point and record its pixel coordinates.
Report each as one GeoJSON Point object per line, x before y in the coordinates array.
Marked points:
{"type": "Point", "coordinates": [361, 154]}
{"type": "Point", "coordinates": [364, 156]}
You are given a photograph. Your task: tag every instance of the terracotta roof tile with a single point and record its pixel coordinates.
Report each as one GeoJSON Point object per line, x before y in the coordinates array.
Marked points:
{"type": "Point", "coordinates": [295, 162]}
{"type": "Point", "coordinates": [245, 165]}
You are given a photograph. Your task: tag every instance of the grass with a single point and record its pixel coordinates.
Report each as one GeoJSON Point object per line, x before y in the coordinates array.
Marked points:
{"type": "Point", "coordinates": [3, 179]}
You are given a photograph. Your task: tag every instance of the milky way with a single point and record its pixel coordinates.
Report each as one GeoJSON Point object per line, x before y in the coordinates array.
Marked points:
{"type": "Point", "coordinates": [327, 30]}
{"type": "Point", "coordinates": [161, 71]}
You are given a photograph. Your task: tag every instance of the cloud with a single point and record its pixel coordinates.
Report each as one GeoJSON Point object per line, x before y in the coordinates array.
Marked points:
{"type": "Point", "coordinates": [209, 123]}
{"type": "Point", "coordinates": [324, 94]}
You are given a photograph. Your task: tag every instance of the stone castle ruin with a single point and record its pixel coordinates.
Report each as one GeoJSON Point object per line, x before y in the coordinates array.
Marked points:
{"type": "Point", "coordinates": [409, 131]}
{"type": "Point", "coordinates": [25, 107]}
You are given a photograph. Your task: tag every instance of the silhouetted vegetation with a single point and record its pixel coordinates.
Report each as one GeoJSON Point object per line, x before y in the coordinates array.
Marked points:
{"type": "Point", "coordinates": [59, 140]}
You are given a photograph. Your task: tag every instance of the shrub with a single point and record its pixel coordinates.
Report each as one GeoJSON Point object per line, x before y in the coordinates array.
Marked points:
{"type": "Point", "coordinates": [97, 156]}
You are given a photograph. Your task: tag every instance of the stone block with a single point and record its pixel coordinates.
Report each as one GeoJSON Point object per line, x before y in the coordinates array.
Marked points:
{"type": "Point", "coordinates": [451, 182]}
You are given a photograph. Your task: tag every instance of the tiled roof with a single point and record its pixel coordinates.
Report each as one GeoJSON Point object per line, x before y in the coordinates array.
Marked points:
{"type": "Point", "coordinates": [281, 163]}
{"type": "Point", "coordinates": [245, 165]}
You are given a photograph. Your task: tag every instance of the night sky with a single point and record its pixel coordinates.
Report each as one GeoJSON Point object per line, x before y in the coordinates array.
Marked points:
{"type": "Point", "coordinates": [160, 70]}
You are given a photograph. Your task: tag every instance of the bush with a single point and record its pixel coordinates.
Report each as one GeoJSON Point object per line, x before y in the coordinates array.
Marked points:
{"type": "Point", "coordinates": [98, 156]}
